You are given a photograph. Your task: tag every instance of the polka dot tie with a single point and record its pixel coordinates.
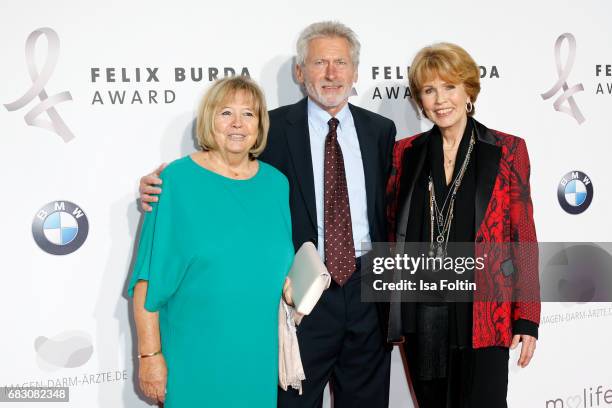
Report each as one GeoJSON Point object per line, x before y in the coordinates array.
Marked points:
{"type": "Point", "coordinates": [339, 247]}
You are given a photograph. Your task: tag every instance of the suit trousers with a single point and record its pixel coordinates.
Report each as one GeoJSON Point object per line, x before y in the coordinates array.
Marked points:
{"type": "Point", "coordinates": [341, 343]}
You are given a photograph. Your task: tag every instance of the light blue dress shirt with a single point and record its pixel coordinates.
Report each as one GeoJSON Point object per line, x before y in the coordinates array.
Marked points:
{"type": "Point", "coordinates": [353, 167]}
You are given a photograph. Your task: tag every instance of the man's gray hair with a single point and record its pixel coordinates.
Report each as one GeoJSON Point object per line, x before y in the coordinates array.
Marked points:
{"type": "Point", "coordinates": [324, 29]}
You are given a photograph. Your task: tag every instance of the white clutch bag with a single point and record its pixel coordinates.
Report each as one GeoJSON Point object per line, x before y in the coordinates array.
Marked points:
{"type": "Point", "coordinates": [309, 278]}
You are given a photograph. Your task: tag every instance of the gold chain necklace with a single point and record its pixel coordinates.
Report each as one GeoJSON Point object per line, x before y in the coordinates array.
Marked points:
{"type": "Point", "coordinates": [443, 221]}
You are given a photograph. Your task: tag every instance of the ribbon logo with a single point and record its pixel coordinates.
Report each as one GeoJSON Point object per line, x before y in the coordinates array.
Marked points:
{"type": "Point", "coordinates": [563, 72]}
{"type": "Point", "coordinates": [39, 80]}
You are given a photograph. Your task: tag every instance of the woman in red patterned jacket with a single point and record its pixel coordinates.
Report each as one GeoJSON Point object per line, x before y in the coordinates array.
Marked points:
{"type": "Point", "coordinates": [462, 182]}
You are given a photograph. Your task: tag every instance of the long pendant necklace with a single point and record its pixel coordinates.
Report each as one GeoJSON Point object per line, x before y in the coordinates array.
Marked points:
{"type": "Point", "coordinates": [441, 217]}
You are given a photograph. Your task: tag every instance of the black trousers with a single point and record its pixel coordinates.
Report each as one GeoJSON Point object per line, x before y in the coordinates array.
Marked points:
{"type": "Point", "coordinates": [478, 378]}
{"type": "Point", "coordinates": [341, 343]}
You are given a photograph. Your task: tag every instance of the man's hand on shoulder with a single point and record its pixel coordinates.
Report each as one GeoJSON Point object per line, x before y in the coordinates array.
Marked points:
{"type": "Point", "coordinates": [149, 189]}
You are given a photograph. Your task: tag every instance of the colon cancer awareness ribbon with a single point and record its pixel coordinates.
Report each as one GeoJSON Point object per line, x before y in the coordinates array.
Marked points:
{"type": "Point", "coordinates": [39, 80]}
{"type": "Point", "coordinates": [563, 72]}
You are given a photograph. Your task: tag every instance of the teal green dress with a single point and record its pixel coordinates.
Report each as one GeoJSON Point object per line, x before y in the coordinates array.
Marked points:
{"type": "Point", "coordinates": [215, 252]}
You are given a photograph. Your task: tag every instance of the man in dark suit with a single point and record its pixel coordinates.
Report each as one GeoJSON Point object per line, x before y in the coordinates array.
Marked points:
{"type": "Point", "coordinates": [337, 158]}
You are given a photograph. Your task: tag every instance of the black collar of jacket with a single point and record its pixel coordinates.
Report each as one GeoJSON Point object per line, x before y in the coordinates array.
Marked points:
{"type": "Point", "coordinates": [487, 155]}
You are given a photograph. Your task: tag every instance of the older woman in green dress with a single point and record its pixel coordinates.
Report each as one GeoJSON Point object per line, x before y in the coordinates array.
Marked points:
{"type": "Point", "coordinates": [212, 259]}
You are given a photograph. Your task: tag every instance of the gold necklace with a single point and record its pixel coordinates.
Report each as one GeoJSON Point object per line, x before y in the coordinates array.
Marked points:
{"type": "Point", "coordinates": [441, 217]}
{"type": "Point", "coordinates": [448, 161]}
{"type": "Point", "coordinates": [222, 168]}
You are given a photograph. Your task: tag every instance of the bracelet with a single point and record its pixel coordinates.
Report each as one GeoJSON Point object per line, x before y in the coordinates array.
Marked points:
{"type": "Point", "coordinates": [149, 355]}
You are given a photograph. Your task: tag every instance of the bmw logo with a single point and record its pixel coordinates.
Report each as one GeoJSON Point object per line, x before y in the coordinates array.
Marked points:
{"type": "Point", "coordinates": [575, 192]}
{"type": "Point", "coordinates": [60, 227]}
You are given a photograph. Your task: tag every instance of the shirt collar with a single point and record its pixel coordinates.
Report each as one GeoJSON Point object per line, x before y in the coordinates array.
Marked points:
{"type": "Point", "coordinates": [320, 117]}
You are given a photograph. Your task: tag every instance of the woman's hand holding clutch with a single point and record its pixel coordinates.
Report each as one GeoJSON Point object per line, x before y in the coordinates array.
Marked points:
{"type": "Point", "coordinates": [287, 292]}
{"type": "Point", "coordinates": [288, 298]}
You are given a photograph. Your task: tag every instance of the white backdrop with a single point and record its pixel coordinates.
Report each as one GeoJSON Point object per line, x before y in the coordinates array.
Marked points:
{"type": "Point", "coordinates": [65, 319]}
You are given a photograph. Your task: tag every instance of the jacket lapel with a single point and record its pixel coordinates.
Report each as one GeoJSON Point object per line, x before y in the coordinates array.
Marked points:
{"type": "Point", "coordinates": [412, 162]}
{"type": "Point", "coordinates": [412, 165]}
{"type": "Point", "coordinates": [488, 155]}
{"type": "Point", "coordinates": [298, 139]}
{"type": "Point", "coordinates": [367, 145]}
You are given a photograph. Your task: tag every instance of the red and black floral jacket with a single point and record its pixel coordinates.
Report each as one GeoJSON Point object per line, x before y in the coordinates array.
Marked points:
{"type": "Point", "coordinates": [504, 214]}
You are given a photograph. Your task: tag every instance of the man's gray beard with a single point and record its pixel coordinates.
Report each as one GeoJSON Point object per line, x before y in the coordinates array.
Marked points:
{"type": "Point", "coordinates": [321, 101]}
